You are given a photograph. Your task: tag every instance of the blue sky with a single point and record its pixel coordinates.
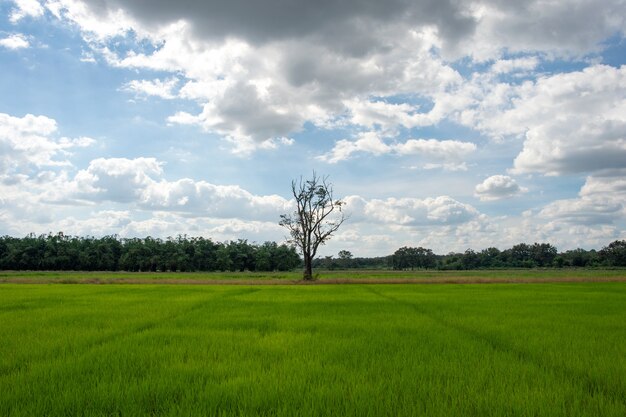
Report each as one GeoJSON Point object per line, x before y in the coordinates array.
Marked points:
{"type": "Point", "coordinates": [449, 125]}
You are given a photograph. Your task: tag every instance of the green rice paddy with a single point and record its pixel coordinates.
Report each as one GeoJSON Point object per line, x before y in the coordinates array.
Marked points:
{"type": "Point", "coordinates": [323, 276]}
{"type": "Point", "coordinates": [556, 349]}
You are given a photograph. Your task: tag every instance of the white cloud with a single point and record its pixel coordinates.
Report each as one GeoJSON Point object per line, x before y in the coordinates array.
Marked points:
{"type": "Point", "coordinates": [612, 184]}
{"type": "Point", "coordinates": [558, 28]}
{"type": "Point", "coordinates": [222, 212]}
{"type": "Point", "coordinates": [115, 179]}
{"type": "Point", "coordinates": [88, 57]}
{"type": "Point", "coordinates": [572, 145]}
{"type": "Point", "coordinates": [15, 41]}
{"type": "Point", "coordinates": [443, 149]}
{"type": "Point", "coordinates": [585, 211]}
{"type": "Point", "coordinates": [570, 122]}
{"type": "Point", "coordinates": [26, 8]}
{"type": "Point", "coordinates": [99, 223]}
{"type": "Point", "coordinates": [158, 88]}
{"type": "Point", "coordinates": [163, 224]}
{"type": "Point", "coordinates": [479, 28]}
{"type": "Point", "coordinates": [380, 226]}
{"type": "Point", "coordinates": [388, 116]}
{"type": "Point", "coordinates": [201, 198]}
{"type": "Point", "coordinates": [254, 94]}
{"type": "Point", "coordinates": [30, 141]}
{"type": "Point", "coordinates": [139, 183]}
{"type": "Point", "coordinates": [505, 66]}
{"type": "Point", "coordinates": [451, 151]}
{"type": "Point", "coordinates": [589, 133]}
{"type": "Point", "coordinates": [258, 81]}
{"type": "Point", "coordinates": [368, 142]}
{"type": "Point", "coordinates": [184, 118]}
{"type": "Point", "coordinates": [243, 142]}
{"type": "Point", "coordinates": [450, 166]}
{"type": "Point", "coordinates": [442, 210]}
{"type": "Point", "coordinates": [97, 23]}
{"type": "Point", "coordinates": [498, 187]}
{"type": "Point", "coordinates": [601, 205]}
{"type": "Point", "coordinates": [376, 226]}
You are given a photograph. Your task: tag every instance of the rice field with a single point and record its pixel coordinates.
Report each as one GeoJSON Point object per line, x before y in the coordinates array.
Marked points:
{"type": "Point", "coordinates": [551, 349]}
{"type": "Point", "coordinates": [323, 276]}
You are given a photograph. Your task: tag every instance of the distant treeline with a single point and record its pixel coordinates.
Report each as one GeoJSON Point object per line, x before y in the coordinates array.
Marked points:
{"type": "Point", "coordinates": [542, 255]}
{"type": "Point", "coordinates": [185, 254]}
{"type": "Point", "coordinates": [110, 253]}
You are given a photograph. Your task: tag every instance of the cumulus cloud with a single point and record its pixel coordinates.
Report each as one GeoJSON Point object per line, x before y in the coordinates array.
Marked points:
{"type": "Point", "coordinates": [30, 141]}
{"type": "Point", "coordinates": [15, 41]}
{"type": "Point", "coordinates": [253, 96]}
{"type": "Point", "coordinates": [258, 81]}
{"type": "Point", "coordinates": [255, 90]}
{"type": "Point", "coordinates": [96, 23]}
{"type": "Point", "coordinates": [589, 133]}
{"type": "Point", "coordinates": [186, 205]}
{"type": "Point", "coordinates": [451, 151]}
{"type": "Point", "coordinates": [158, 88]}
{"type": "Point", "coordinates": [444, 149]}
{"type": "Point", "coordinates": [613, 183]}
{"type": "Point", "coordinates": [99, 223]}
{"type": "Point", "coordinates": [442, 210]}
{"type": "Point", "coordinates": [256, 22]}
{"type": "Point", "coordinates": [203, 198]}
{"type": "Point", "coordinates": [557, 27]}
{"type": "Point", "coordinates": [368, 142]}
{"type": "Point", "coordinates": [25, 8]}
{"type": "Point", "coordinates": [570, 123]}
{"type": "Point", "coordinates": [481, 27]}
{"type": "Point", "coordinates": [505, 66]}
{"type": "Point", "coordinates": [131, 223]}
{"type": "Point", "coordinates": [165, 224]}
{"type": "Point", "coordinates": [244, 118]}
{"type": "Point", "coordinates": [601, 204]}
{"type": "Point", "coordinates": [498, 187]}
{"type": "Point", "coordinates": [380, 226]}
{"type": "Point", "coordinates": [449, 166]}
{"type": "Point", "coordinates": [139, 182]}
{"type": "Point", "coordinates": [141, 203]}
{"type": "Point", "coordinates": [584, 211]}
{"type": "Point", "coordinates": [388, 116]}
{"type": "Point", "coordinates": [116, 179]}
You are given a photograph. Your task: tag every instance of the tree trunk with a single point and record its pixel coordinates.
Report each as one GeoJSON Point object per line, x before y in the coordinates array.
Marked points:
{"type": "Point", "coordinates": [308, 269]}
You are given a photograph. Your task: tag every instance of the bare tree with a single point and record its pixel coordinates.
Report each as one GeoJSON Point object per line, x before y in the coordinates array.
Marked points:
{"type": "Point", "coordinates": [318, 215]}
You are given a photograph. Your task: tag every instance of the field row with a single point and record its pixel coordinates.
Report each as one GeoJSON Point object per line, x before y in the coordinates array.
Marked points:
{"type": "Point", "coordinates": [323, 276]}
{"type": "Point", "coordinates": [436, 350]}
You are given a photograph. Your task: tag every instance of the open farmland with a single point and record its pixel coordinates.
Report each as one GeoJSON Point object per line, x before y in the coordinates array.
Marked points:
{"type": "Point", "coordinates": [323, 276]}
{"type": "Point", "coordinates": [437, 350]}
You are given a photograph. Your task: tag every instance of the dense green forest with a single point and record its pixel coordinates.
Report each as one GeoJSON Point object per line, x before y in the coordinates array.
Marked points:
{"type": "Point", "coordinates": [186, 254]}
{"type": "Point", "coordinates": [542, 255]}
{"type": "Point", "coordinates": [110, 253]}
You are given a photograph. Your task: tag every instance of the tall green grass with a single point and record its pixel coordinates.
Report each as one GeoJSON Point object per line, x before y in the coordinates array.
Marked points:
{"type": "Point", "coordinates": [322, 275]}
{"type": "Point", "coordinates": [439, 350]}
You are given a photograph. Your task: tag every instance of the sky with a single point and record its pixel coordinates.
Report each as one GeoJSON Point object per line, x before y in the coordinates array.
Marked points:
{"type": "Point", "coordinates": [446, 124]}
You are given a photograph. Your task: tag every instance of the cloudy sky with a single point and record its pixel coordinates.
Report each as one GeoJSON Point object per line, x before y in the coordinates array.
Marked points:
{"type": "Point", "coordinates": [447, 124]}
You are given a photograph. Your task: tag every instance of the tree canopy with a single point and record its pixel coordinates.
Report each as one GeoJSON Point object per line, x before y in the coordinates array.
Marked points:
{"type": "Point", "coordinates": [110, 253]}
